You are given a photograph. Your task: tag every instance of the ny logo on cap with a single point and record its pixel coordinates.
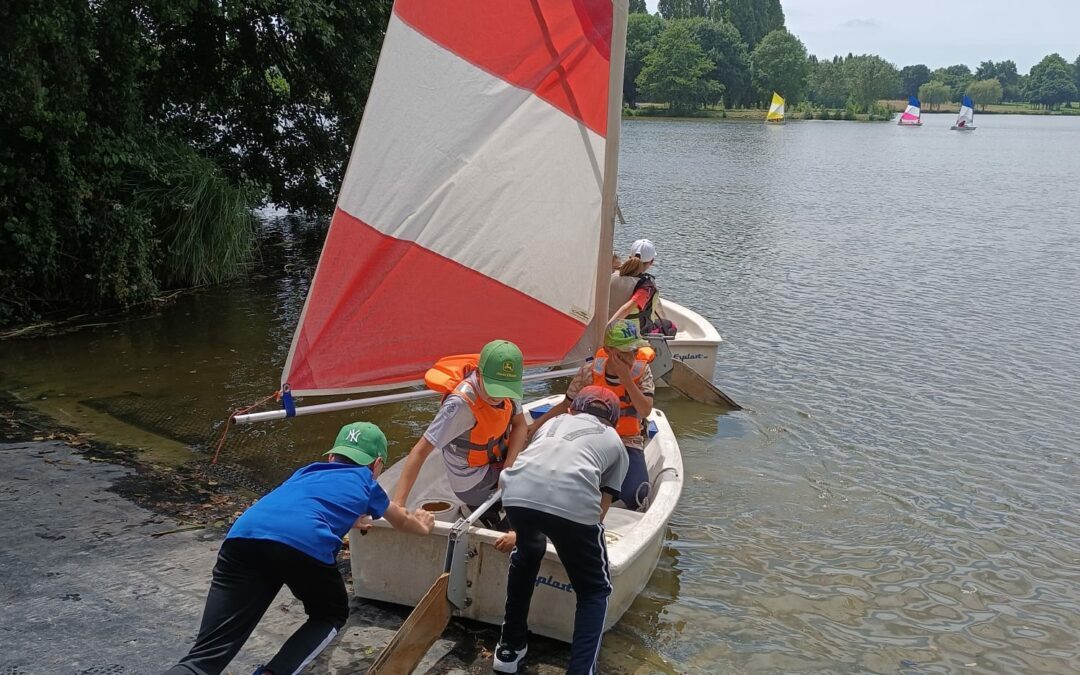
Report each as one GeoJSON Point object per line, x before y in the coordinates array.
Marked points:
{"type": "Point", "coordinates": [508, 368]}
{"type": "Point", "coordinates": [354, 436]}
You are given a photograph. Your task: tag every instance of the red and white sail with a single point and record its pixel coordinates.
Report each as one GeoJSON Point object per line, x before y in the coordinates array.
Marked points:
{"type": "Point", "coordinates": [471, 206]}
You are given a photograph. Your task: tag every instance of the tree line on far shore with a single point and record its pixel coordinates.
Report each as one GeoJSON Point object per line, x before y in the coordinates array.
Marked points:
{"type": "Point", "coordinates": [735, 53]}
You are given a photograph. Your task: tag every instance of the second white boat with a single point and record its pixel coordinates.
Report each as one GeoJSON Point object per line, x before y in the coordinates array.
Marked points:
{"type": "Point", "coordinates": [697, 341]}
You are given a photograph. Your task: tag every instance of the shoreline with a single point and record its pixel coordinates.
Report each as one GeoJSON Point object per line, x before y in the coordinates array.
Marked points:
{"type": "Point", "coordinates": [118, 544]}
{"type": "Point", "coordinates": [741, 115]}
{"type": "Point", "coordinates": [649, 111]}
{"type": "Point", "coordinates": [991, 109]}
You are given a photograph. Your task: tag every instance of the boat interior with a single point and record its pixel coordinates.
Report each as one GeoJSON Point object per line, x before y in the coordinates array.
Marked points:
{"type": "Point", "coordinates": [432, 489]}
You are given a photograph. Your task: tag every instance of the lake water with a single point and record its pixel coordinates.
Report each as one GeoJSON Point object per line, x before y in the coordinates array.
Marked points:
{"type": "Point", "coordinates": [900, 310]}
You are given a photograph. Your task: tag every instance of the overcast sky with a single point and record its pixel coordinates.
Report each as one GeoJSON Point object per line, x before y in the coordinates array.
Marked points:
{"type": "Point", "coordinates": [937, 32]}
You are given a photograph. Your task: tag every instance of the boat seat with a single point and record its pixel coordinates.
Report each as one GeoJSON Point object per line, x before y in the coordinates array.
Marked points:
{"type": "Point", "coordinates": [539, 410]}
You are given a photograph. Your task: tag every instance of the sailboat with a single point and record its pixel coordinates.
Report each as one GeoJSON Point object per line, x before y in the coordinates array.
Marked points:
{"type": "Point", "coordinates": [965, 121]}
{"type": "Point", "coordinates": [479, 203]}
{"type": "Point", "coordinates": [776, 109]}
{"type": "Point", "coordinates": [912, 115]}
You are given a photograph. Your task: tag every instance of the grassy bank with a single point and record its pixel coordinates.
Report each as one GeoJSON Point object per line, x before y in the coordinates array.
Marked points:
{"type": "Point", "coordinates": [885, 111]}
{"type": "Point", "coordinates": [801, 112]}
{"type": "Point", "coordinates": [993, 109]}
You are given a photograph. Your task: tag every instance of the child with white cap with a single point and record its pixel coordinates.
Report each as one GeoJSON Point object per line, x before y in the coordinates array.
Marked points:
{"type": "Point", "coordinates": [633, 293]}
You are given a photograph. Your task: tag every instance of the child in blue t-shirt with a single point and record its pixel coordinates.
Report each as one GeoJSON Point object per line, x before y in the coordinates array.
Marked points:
{"type": "Point", "coordinates": [290, 537]}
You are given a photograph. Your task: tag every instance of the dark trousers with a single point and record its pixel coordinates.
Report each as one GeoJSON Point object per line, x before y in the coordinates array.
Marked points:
{"type": "Point", "coordinates": [635, 487]}
{"type": "Point", "coordinates": [583, 553]}
{"type": "Point", "coordinates": [247, 577]}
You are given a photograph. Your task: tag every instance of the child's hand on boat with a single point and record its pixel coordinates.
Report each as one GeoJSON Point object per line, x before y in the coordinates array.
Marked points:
{"type": "Point", "coordinates": [364, 523]}
{"type": "Point", "coordinates": [506, 542]}
{"type": "Point", "coordinates": [426, 520]}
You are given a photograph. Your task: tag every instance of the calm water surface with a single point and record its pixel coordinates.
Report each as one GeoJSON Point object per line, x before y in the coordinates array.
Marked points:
{"type": "Point", "coordinates": [900, 310]}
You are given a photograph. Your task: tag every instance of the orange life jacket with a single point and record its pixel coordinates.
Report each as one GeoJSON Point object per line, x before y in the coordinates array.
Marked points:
{"type": "Point", "coordinates": [630, 422]}
{"type": "Point", "coordinates": [488, 440]}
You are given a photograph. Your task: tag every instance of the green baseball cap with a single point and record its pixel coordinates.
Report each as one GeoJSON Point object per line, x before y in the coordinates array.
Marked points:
{"type": "Point", "coordinates": [362, 442]}
{"type": "Point", "coordinates": [500, 369]}
{"type": "Point", "coordinates": [623, 336]}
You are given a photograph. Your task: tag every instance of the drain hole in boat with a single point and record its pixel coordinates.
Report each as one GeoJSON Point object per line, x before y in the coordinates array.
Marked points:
{"type": "Point", "coordinates": [442, 510]}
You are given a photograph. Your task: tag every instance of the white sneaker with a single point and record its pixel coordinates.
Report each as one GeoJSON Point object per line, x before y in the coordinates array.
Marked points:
{"type": "Point", "coordinates": [507, 660]}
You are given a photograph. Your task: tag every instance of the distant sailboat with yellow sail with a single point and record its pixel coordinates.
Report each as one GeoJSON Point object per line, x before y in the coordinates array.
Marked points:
{"type": "Point", "coordinates": [776, 110]}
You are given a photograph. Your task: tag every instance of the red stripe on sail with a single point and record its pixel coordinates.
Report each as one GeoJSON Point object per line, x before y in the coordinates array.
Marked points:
{"type": "Point", "coordinates": [559, 50]}
{"type": "Point", "coordinates": [382, 310]}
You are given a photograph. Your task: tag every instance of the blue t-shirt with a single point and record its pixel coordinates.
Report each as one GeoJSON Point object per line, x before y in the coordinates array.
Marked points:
{"type": "Point", "coordinates": [314, 509]}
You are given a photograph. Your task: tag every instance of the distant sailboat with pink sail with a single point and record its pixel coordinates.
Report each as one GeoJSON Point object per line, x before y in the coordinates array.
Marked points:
{"type": "Point", "coordinates": [912, 115]}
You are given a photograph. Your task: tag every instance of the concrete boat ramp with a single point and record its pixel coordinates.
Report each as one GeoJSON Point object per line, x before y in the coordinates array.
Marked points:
{"type": "Point", "coordinates": [95, 584]}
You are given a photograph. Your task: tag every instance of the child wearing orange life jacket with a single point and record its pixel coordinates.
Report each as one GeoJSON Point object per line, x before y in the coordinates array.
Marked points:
{"type": "Point", "coordinates": [621, 365]}
{"type": "Point", "coordinates": [479, 427]}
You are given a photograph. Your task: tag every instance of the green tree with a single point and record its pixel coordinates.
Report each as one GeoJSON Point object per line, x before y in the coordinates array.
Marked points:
{"type": "Point", "coordinates": [956, 78]}
{"type": "Point", "coordinates": [870, 78]}
{"type": "Point", "coordinates": [1010, 80]}
{"type": "Point", "coordinates": [70, 132]}
{"type": "Point", "coordinates": [985, 92]}
{"type": "Point", "coordinates": [676, 71]}
{"type": "Point", "coordinates": [779, 63]}
{"type": "Point", "coordinates": [1022, 86]}
{"type": "Point", "coordinates": [828, 84]}
{"type": "Point", "coordinates": [1005, 73]}
{"type": "Point", "coordinates": [725, 48]}
{"type": "Point", "coordinates": [136, 137]}
{"type": "Point", "coordinates": [1051, 82]}
{"type": "Point", "coordinates": [641, 33]}
{"type": "Point", "coordinates": [934, 93]}
{"type": "Point", "coordinates": [754, 18]}
{"type": "Point", "coordinates": [913, 77]}
{"type": "Point", "coordinates": [638, 7]}
{"type": "Point", "coordinates": [683, 9]}
{"type": "Point", "coordinates": [233, 76]}
{"type": "Point", "coordinates": [986, 70]}
{"type": "Point", "coordinates": [1076, 72]}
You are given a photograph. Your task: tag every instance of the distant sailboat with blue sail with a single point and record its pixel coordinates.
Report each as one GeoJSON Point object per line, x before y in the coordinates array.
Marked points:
{"type": "Point", "coordinates": [966, 120]}
{"type": "Point", "coordinates": [912, 115]}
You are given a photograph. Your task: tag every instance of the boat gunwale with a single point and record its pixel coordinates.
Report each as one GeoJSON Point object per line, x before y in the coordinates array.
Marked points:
{"type": "Point", "coordinates": [625, 549]}
{"type": "Point", "coordinates": [710, 336]}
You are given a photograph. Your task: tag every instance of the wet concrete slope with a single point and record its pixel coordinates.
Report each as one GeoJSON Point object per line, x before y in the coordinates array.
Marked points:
{"type": "Point", "coordinates": [86, 587]}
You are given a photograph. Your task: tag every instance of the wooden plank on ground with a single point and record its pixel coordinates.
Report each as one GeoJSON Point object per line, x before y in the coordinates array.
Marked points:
{"type": "Point", "coordinates": [420, 630]}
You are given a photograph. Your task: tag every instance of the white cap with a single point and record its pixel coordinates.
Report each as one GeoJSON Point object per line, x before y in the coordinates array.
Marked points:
{"type": "Point", "coordinates": [644, 249]}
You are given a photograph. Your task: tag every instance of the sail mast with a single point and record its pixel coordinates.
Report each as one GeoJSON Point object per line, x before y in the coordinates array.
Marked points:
{"type": "Point", "coordinates": [619, 12]}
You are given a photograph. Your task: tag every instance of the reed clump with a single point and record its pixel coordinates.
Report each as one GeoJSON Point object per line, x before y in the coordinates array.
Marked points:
{"type": "Point", "coordinates": [203, 218]}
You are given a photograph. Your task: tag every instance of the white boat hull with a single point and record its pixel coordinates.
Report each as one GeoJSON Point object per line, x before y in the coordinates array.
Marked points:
{"type": "Point", "coordinates": [956, 128]}
{"type": "Point", "coordinates": [390, 566]}
{"type": "Point", "coordinates": [697, 341]}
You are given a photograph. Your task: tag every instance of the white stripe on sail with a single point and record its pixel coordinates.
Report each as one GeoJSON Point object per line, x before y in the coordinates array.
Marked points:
{"type": "Point", "coordinates": [479, 171]}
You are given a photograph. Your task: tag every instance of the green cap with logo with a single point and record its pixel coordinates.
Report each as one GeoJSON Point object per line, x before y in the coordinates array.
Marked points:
{"type": "Point", "coordinates": [500, 369]}
{"type": "Point", "coordinates": [623, 336]}
{"type": "Point", "coordinates": [362, 442]}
